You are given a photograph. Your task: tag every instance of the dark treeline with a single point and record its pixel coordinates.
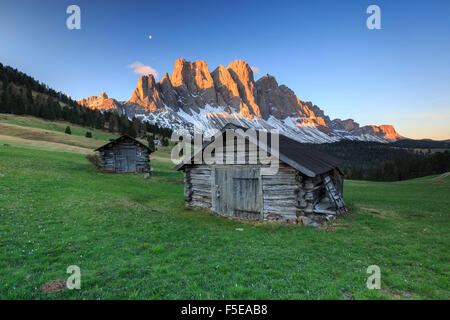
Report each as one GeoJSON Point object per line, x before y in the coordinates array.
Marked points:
{"type": "Point", "coordinates": [403, 169]}
{"type": "Point", "coordinates": [421, 144]}
{"type": "Point", "coordinates": [17, 98]}
{"type": "Point", "coordinates": [385, 161]}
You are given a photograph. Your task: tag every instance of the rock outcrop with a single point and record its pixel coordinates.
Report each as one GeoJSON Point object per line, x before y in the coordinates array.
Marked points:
{"type": "Point", "coordinates": [348, 124]}
{"type": "Point", "coordinates": [100, 102]}
{"type": "Point", "coordinates": [194, 85]}
{"type": "Point", "coordinates": [226, 88]}
{"type": "Point", "coordinates": [281, 102]}
{"type": "Point", "coordinates": [384, 131]}
{"type": "Point", "coordinates": [147, 94]}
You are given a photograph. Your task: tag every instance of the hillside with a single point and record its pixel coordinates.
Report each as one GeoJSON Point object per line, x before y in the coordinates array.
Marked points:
{"type": "Point", "coordinates": [133, 238]}
{"type": "Point", "coordinates": [31, 131]}
{"type": "Point", "coordinates": [20, 94]}
{"type": "Point", "coordinates": [36, 133]}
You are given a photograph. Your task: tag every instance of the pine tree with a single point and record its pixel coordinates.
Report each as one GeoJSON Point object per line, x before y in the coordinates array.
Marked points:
{"type": "Point", "coordinates": [132, 130]}
{"type": "Point", "coordinates": [123, 125]}
{"type": "Point", "coordinates": [88, 134]}
{"type": "Point", "coordinates": [3, 101]}
{"type": "Point", "coordinates": [97, 122]}
{"type": "Point", "coordinates": [29, 95]}
{"type": "Point", "coordinates": [112, 123]}
{"type": "Point", "coordinates": [151, 143]}
{"type": "Point", "coordinates": [18, 105]}
{"type": "Point", "coordinates": [68, 131]}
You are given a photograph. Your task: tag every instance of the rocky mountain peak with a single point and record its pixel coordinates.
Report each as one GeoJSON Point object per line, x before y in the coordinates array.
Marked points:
{"type": "Point", "coordinates": [194, 75]}
{"type": "Point", "coordinates": [194, 85]}
{"type": "Point", "coordinates": [348, 124]}
{"type": "Point", "coordinates": [101, 102]}
{"type": "Point", "coordinates": [388, 132]}
{"type": "Point", "coordinates": [267, 81]}
{"type": "Point", "coordinates": [242, 69]}
{"type": "Point", "coordinates": [226, 88]}
{"type": "Point", "coordinates": [165, 77]}
{"type": "Point", "coordinates": [242, 75]}
{"type": "Point", "coordinates": [147, 95]}
{"type": "Point", "coordinates": [230, 94]}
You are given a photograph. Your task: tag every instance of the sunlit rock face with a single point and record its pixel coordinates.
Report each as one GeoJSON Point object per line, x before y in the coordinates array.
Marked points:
{"type": "Point", "coordinates": [226, 88]}
{"type": "Point", "coordinates": [100, 102]}
{"type": "Point", "coordinates": [242, 75]}
{"type": "Point", "coordinates": [147, 94]}
{"type": "Point", "coordinates": [384, 131]}
{"type": "Point", "coordinates": [389, 132]}
{"type": "Point", "coordinates": [231, 94]}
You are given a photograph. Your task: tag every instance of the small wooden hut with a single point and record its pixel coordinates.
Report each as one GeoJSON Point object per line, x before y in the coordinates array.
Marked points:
{"type": "Point", "coordinates": [307, 188]}
{"type": "Point", "coordinates": [124, 155]}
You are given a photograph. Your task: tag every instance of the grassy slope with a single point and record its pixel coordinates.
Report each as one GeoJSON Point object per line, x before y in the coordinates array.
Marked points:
{"type": "Point", "coordinates": [7, 140]}
{"type": "Point", "coordinates": [56, 126]}
{"type": "Point", "coordinates": [133, 238]}
{"type": "Point", "coordinates": [28, 131]}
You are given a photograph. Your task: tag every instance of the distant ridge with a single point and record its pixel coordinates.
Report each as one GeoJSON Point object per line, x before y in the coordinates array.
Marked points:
{"type": "Point", "coordinates": [230, 94]}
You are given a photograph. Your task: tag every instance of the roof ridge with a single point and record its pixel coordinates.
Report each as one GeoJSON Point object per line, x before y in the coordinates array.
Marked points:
{"type": "Point", "coordinates": [121, 137]}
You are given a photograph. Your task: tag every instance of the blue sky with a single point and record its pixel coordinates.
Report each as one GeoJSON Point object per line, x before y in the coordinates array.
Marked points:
{"type": "Point", "coordinates": [322, 50]}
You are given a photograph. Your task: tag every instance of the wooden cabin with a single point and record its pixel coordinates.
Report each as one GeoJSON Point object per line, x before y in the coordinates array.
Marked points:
{"type": "Point", "coordinates": [307, 188]}
{"type": "Point", "coordinates": [124, 155]}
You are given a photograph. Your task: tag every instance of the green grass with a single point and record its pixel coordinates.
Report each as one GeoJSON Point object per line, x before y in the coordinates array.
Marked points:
{"type": "Point", "coordinates": [56, 126]}
{"type": "Point", "coordinates": [134, 239]}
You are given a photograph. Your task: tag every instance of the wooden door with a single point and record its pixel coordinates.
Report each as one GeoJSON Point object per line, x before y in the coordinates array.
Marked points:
{"type": "Point", "coordinates": [125, 160]}
{"type": "Point", "coordinates": [237, 192]}
{"type": "Point", "coordinates": [120, 162]}
{"type": "Point", "coordinates": [130, 155]}
{"type": "Point", "coordinates": [223, 192]}
{"type": "Point", "coordinates": [247, 199]}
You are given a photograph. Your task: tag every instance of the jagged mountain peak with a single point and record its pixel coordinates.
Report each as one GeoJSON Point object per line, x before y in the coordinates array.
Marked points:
{"type": "Point", "coordinates": [165, 77]}
{"type": "Point", "coordinates": [103, 95]}
{"type": "Point", "coordinates": [241, 67]}
{"type": "Point", "coordinates": [268, 80]}
{"type": "Point", "coordinates": [195, 75]}
{"type": "Point", "coordinates": [230, 94]}
{"type": "Point", "coordinates": [347, 124]}
{"type": "Point", "coordinates": [101, 102]}
{"type": "Point", "coordinates": [147, 94]}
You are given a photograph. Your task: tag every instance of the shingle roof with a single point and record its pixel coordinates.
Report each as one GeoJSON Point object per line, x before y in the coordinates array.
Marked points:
{"type": "Point", "coordinates": [315, 161]}
{"type": "Point", "coordinates": [306, 160]}
{"type": "Point", "coordinates": [119, 139]}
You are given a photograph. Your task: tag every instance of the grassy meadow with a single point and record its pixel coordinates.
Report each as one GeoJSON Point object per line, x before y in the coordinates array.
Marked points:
{"type": "Point", "coordinates": [133, 238]}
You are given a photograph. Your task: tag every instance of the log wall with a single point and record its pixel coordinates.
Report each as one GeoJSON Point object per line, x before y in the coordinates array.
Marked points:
{"type": "Point", "coordinates": [280, 194]}
{"type": "Point", "coordinates": [197, 186]}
